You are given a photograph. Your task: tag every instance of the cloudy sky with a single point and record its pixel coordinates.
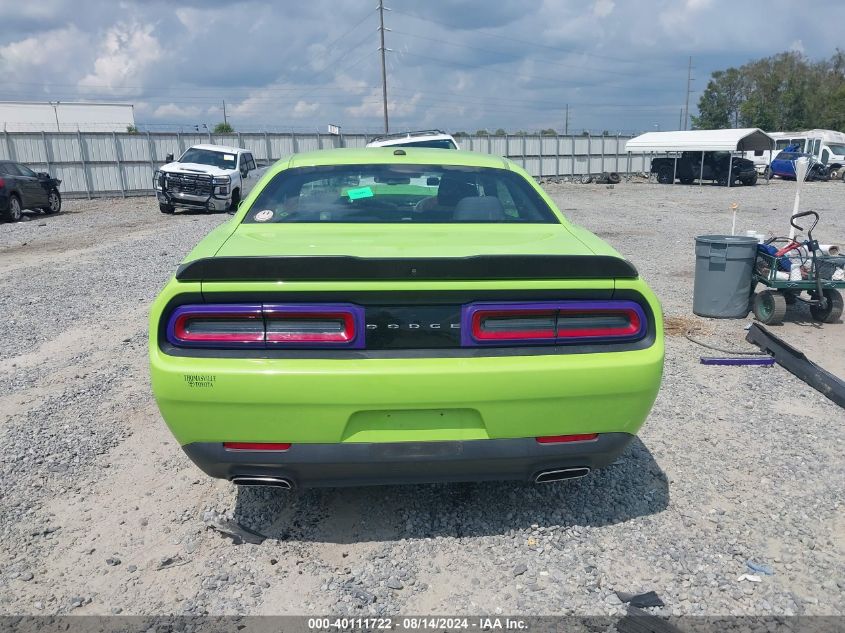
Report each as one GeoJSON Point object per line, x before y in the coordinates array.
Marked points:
{"type": "Point", "coordinates": [457, 64]}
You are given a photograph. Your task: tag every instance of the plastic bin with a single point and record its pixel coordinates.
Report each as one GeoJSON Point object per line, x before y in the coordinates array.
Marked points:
{"type": "Point", "coordinates": [723, 271]}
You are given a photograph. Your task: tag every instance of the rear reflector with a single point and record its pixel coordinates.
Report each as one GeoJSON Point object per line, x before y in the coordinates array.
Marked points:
{"type": "Point", "coordinates": [267, 326]}
{"type": "Point", "coordinates": [561, 439]}
{"type": "Point", "coordinates": [551, 322]}
{"type": "Point", "coordinates": [255, 446]}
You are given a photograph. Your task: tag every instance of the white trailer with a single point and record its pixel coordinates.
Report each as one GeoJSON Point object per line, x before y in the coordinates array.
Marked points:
{"type": "Point", "coordinates": [60, 116]}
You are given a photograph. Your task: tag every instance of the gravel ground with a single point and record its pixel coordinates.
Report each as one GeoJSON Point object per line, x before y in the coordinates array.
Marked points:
{"type": "Point", "coordinates": [102, 513]}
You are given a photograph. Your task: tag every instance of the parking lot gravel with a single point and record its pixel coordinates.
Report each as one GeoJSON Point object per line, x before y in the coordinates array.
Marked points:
{"type": "Point", "coordinates": [102, 513]}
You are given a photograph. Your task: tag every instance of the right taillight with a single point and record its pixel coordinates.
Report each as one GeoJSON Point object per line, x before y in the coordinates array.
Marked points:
{"type": "Point", "coordinates": [551, 323]}
{"type": "Point", "coordinates": [2, 183]}
{"type": "Point", "coordinates": [264, 326]}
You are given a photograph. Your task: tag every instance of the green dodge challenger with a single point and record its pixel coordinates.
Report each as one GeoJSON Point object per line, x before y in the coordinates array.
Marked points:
{"type": "Point", "coordinates": [403, 315]}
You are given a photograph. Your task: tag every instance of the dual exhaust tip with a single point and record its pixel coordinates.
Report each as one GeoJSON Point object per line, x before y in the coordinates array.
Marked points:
{"type": "Point", "coordinates": [270, 482]}
{"type": "Point", "coordinates": [549, 476]}
{"type": "Point", "coordinates": [543, 477]}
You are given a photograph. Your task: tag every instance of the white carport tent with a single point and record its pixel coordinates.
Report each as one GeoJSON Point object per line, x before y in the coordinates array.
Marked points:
{"type": "Point", "coordinates": [730, 140]}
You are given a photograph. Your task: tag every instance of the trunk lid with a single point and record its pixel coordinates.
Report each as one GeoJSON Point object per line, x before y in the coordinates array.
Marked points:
{"type": "Point", "coordinates": [398, 240]}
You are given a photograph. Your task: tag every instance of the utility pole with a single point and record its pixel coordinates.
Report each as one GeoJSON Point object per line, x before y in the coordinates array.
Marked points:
{"type": "Point", "coordinates": [686, 105]}
{"type": "Point", "coordinates": [681, 119]}
{"type": "Point", "coordinates": [225, 120]}
{"type": "Point", "coordinates": [566, 122]}
{"type": "Point", "coordinates": [383, 67]}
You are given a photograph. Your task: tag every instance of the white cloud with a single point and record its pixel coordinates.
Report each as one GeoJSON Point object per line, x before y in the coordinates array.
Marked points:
{"type": "Point", "coordinates": [372, 105]}
{"type": "Point", "coordinates": [303, 108]}
{"type": "Point", "coordinates": [49, 51]}
{"type": "Point", "coordinates": [603, 8]}
{"type": "Point", "coordinates": [127, 53]}
{"type": "Point", "coordinates": [173, 111]}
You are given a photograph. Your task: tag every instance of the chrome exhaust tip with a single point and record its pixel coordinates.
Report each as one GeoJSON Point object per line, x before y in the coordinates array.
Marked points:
{"type": "Point", "coordinates": [548, 476]}
{"type": "Point", "coordinates": [272, 482]}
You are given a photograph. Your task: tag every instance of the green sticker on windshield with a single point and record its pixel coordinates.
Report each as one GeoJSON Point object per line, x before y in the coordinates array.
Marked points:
{"type": "Point", "coordinates": [359, 192]}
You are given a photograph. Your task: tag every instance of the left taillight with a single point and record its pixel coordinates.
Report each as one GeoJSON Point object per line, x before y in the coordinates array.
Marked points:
{"type": "Point", "coordinates": [552, 323]}
{"type": "Point", "coordinates": [262, 326]}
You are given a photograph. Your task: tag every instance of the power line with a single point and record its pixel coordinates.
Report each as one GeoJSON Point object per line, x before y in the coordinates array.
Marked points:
{"type": "Point", "coordinates": [489, 50]}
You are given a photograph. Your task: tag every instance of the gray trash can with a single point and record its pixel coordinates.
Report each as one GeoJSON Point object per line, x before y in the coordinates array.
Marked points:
{"type": "Point", "coordinates": [723, 271]}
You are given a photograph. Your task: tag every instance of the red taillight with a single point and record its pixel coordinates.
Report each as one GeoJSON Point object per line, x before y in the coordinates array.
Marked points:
{"type": "Point", "coordinates": [597, 323]}
{"type": "Point", "coordinates": [561, 439]}
{"type": "Point", "coordinates": [288, 326]}
{"type": "Point", "coordinates": [255, 446]}
{"type": "Point", "coordinates": [2, 183]}
{"type": "Point", "coordinates": [267, 326]}
{"type": "Point", "coordinates": [513, 325]}
{"type": "Point", "coordinates": [551, 322]}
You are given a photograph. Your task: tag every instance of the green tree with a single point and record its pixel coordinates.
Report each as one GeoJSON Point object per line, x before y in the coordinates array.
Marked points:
{"type": "Point", "coordinates": [548, 132]}
{"type": "Point", "coordinates": [482, 133]}
{"type": "Point", "coordinates": [786, 91]}
{"type": "Point", "coordinates": [223, 128]}
{"type": "Point", "coordinates": [460, 134]}
{"type": "Point", "coordinates": [131, 129]}
{"type": "Point", "coordinates": [500, 132]}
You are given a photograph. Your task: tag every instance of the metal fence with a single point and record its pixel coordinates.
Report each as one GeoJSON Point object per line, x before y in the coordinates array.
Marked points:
{"type": "Point", "coordinates": [121, 164]}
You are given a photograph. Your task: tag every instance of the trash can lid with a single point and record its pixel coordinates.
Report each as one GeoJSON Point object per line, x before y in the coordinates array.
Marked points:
{"type": "Point", "coordinates": [726, 239]}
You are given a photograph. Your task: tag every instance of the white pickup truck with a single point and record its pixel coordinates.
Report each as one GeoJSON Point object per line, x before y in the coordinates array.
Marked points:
{"type": "Point", "coordinates": [208, 177]}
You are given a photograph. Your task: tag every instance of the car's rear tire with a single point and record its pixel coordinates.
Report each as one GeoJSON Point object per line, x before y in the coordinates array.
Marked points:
{"type": "Point", "coordinates": [54, 202]}
{"type": "Point", "coordinates": [687, 181]}
{"type": "Point", "coordinates": [832, 311]}
{"type": "Point", "coordinates": [166, 208]}
{"type": "Point", "coordinates": [15, 209]}
{"type": "Point", "coordinates": [767, 173]}
{"type": "Point", "coordinates": [665, 175]}
{"type": "Point", "coordinates": [769, 307]}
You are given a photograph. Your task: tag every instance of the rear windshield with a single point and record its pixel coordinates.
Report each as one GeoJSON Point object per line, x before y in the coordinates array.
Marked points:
{"type": "Point", "coordinates": [399, 193]}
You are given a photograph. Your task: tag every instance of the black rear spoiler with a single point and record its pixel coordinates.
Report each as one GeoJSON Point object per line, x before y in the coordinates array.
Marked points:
{"type": "Point", "coordinates": [346, 268]}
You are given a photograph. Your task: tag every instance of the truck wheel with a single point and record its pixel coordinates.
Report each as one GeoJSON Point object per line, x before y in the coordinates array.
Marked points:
{"type": "Point", "coordinates": [236, 200]}
{"type": "Point", "coordinates": [751, 180]}
{"type": "Point", "coordinates": [664, 175]}
{"type": "Point", "coordinates": [722, 180]}
{"type": "Point", "coordinates": [166, 208]}
{"type": "Point", "coordinates": [836, 173]}
{"type": "Point", "coordinates": [769, 307]}
{"type": "Point", "coordinates": [832, 311]}
{"type": "Point", "coordinates": [687, 181]}
{"type": "Point", "coordinates": [613, 178]}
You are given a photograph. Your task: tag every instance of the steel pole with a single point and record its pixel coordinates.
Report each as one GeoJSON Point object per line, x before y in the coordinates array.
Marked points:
{"type": "Point", "coordinates": [383, 66]}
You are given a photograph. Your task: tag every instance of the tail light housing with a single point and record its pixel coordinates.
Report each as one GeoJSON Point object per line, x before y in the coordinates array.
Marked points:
{"type": "Point", "coordinates": [551, 323]}
{"type": "Point", "coordinates": [263, 326]}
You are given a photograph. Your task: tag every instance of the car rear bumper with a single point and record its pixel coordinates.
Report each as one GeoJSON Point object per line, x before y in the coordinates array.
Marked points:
{"type": "Point", "coordinates": [356, 464]}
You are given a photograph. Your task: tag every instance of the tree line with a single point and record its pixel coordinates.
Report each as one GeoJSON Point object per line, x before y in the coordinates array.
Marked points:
{"type": "Point", "coordinates": [787, 91]}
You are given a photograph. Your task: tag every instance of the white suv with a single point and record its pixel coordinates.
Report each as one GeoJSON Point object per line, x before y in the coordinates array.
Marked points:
{"type": "Point", "coordinates": [424, 138]}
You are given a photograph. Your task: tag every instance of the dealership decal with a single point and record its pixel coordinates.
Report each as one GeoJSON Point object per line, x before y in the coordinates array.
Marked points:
{"type": "Point", "coordinates": [200, 381]}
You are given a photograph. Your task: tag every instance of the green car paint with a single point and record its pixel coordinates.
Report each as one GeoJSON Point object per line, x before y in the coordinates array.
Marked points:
{"type": "Point", "coordinates": [210, 399]}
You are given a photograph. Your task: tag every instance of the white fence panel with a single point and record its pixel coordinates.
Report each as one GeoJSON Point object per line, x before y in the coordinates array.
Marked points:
{"type": "Point", "coordinates": [100, 163]}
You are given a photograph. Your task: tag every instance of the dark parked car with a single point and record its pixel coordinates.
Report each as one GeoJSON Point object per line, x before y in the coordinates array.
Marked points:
{"type": "Point", "coordinates": [783, 165]}
{"type": "Point", "coordinates": [21, 188]}
{"type": "Point", "coordinates": [716, 167]}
